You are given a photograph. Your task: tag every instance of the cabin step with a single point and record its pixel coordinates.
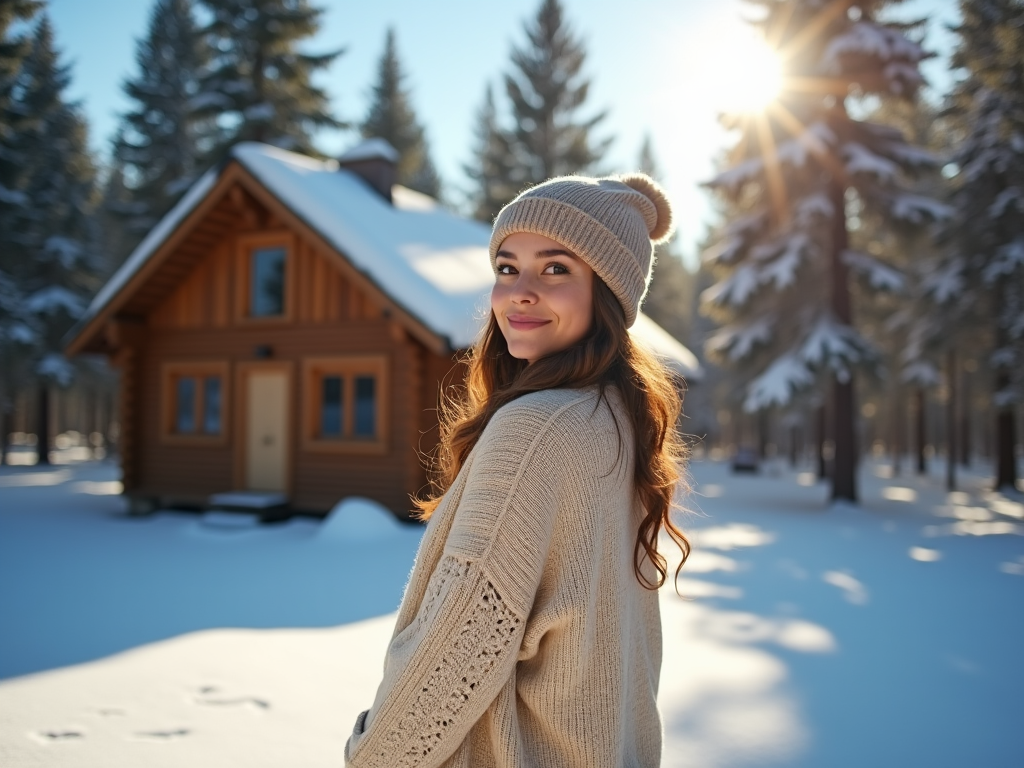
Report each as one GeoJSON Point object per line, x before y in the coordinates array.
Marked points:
{"type": "Point", "coordinates": [269, 505]}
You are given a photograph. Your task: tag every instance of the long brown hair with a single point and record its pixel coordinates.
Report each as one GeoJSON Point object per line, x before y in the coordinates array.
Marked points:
{"type": "Point", "coordinates": [605, 356]}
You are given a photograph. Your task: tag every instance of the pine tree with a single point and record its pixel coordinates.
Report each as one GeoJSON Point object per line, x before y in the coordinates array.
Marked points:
{"type": "Point", "coordinates": [391, 117]}
{"type": "Point", "coordinates": [51, 258]}
{"type": "Point", "coordinates": [157, 149]}
{"type": "Point", "coordinates": [14, 333]}
{"type": "Point", "coordinates": [670, 300]}
{"type": "Point", "coordinates": [798, 169]}
{"type": "Point", "coordinates": [980, 272]}
{"type": "Point", "coordinates": [258, 85]}
{"type": "Point", "coordinates": [492, 170]}
{"type": "Point", "coordinates": [547, 89]}
{"type": "Point", "coordinates": [13, 49]}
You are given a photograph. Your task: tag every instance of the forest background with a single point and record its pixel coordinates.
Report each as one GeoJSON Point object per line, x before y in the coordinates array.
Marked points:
{"type": "Point", "coordinates": [83, 175]}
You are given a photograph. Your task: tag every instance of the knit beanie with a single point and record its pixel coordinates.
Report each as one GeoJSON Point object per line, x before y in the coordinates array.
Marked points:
{"type": "Point", "coordinates": [610, 223]}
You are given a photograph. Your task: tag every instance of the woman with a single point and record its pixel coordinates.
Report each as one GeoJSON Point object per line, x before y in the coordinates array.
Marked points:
{"type": "Point", "coordinates": [530, 633]}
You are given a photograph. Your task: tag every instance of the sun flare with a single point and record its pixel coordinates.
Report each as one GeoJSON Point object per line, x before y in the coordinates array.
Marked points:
{"type": "Point", "coordinates": [747, 74]}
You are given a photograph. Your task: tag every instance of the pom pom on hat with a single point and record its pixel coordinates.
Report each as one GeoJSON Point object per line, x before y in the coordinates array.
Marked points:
{"type": "Point", "coordinates": [610, 223]}
{"type": "Point", "coordinates": [661, 230]}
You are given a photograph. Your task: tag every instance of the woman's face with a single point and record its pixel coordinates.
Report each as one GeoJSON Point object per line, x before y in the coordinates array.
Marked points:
{"type": "Point", "coordinates": [542, 297]}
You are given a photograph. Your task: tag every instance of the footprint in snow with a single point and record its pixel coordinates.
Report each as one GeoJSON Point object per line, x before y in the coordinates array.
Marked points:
{"type": "Point", "coordinates": [163, 735]}
{"type": "Point", "coordinates": [210, 695]}
{"type": "Point", "coordinates": [49, 737]}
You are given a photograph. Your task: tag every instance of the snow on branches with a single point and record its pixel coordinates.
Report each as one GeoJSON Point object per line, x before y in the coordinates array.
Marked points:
{"type": "Point", "coordinates": [786, 375]}
{"type": "Point", "coordinates": [862, 161]}
{"type": "Point", "coordinates": [55, 367]}
{"type": "Point", "coordinates": [827, 345]}
{"type": "Point", "coordinates": [735, 342]}
{"type": "Point", "coordinates": [54, 299]}
{"type": "Point", "coordinates": [918, 209]}
{"type": "Point", "coordinates": [867, 46]}
{"type": "Point", "coordinates": [879, 275]}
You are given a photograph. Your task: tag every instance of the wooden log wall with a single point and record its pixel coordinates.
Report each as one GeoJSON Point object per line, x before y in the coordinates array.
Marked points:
{"type": "Point", "coordinates": [128, 442]}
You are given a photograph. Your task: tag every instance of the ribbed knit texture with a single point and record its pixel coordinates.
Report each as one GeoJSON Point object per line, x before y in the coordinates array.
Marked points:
{"type": "Point", "coordinates": [524, 638]}
{"type": "Point", "coordinates": [609, 223]}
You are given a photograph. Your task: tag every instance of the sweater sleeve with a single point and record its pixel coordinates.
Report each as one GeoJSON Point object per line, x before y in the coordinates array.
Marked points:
{"type": "Point", "coordinates": [446, 667]}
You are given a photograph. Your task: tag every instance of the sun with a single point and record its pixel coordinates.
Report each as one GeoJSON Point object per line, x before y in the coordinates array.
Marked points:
{"type": "Point", "coordinates": [746, 73]}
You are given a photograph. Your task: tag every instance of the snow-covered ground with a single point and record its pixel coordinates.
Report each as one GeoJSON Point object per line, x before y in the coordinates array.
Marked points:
{"type": "Point", "coordinates": [885, 635]}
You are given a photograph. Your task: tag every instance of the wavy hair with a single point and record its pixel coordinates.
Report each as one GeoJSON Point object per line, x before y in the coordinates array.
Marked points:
{"type": "Point", "coordinates": [606, 356]}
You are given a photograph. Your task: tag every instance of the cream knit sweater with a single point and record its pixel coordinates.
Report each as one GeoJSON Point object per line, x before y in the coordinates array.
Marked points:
{"type": "Point", "coordinates": [524, 638]}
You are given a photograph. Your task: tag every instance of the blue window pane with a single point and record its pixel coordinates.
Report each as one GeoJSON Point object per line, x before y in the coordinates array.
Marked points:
{"type": "Point", "coordinates": [185, 410]}
{"type": "Point", "coordinates": [267, 289]}
{"type": "Point", "coordinates": [366, 407]}
{"type": "Point", "coordinates": [211, 405]}
{"type": "Point", "coordinates": [330, 407]}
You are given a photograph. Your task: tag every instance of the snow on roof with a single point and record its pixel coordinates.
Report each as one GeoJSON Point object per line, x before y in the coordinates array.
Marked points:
{"type": "Point", "coordinates": [431, 262]}
{"type": "Point", "coordinates": [666, 346]}
{"type": "Point", "coordinates": [370, 149]}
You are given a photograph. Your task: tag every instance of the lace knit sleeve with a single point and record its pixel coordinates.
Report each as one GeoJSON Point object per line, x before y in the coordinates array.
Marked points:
{"type": "Point", "coordinates": [447, 666]}
{"type": "Point", "coordinates": [465, 640]}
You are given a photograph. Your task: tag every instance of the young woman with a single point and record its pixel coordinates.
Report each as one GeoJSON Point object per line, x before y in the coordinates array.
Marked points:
{"type": "Point", "coordinates": [530, 633]}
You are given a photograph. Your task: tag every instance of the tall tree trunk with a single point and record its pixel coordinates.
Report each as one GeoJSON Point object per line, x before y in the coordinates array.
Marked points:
{"type": "Point", "coordinates": [951, 420]}
{"type": "Point", "coordinates": [1006, 463]}
{"type": "Point", "coordinates": [43, 425]}
{"type": "Point", "coordinates": [897, 429]}
{"type": "Point", "coordinates": [965, 419]}
{"type": "Point", "coordinates": [794, 443]}
{"type": "Point", "coordinates": [919, 431]}
{"type": "Point", "coordinates": [822, 436]}
{"type": "Point", "coordinates": [6, 423]}
{"type": "Point", "coordinates": [762, 434]}
{"type": "Point", "coordinates": [844, 464]}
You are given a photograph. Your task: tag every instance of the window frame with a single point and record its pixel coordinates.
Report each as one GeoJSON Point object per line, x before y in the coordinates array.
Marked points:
{"type": "Point", "coordinates": [170, 373]}
{"type": "Point", "coordinates": [314, 369]}
{"type": "Point", "coordinates": [244, 246]}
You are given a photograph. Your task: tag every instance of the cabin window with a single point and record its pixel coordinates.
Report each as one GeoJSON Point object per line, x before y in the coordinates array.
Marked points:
{"type": "Point", "coordinates": [330, 407]}
{"type": "Point", "coordinates": [266, 298]}
{"type": "Point", "coordinates": [264, 276]}
{"type": "Point", "coordinates": [194, 407]}
{"type": "Point", "coordinates": [344, 408]}
{"type": "Point", "coordinates": [365, 406]}
{"type": "Point", "coordinates": [211, 405]}
{"type": "Point", "coordinates": [185, 422]}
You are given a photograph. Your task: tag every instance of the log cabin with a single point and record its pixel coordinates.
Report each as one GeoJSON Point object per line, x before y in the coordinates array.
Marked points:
{"type": "Point", "coordinates": [283, 334]}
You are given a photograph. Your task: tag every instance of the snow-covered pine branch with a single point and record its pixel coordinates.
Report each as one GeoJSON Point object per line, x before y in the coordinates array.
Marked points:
{"type": "Point", "coordinates": [879, 275]}
{"type": "Point", "coordinates": [53, 299]}
{"type": "Point", "coordinates": [777, 385]}
{"type": "Point", "coordinates": [736, 342]}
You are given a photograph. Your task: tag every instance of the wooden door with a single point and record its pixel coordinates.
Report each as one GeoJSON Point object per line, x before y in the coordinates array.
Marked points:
{"type": "Point", "coordinates": [266, 443]}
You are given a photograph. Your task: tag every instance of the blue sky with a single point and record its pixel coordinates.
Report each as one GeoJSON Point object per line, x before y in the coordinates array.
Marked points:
{"type": "Point", "coordinates": [655, 65]}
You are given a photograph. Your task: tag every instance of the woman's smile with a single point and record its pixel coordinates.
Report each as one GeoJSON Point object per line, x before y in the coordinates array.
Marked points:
{"type": "Point", "coordinates": [543, 296]}
{"type": "Point", "coordinates": [525, 323]}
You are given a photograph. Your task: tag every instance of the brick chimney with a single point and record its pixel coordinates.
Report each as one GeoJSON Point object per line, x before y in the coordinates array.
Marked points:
{"type": "Point", "coordinates": [376, 162]}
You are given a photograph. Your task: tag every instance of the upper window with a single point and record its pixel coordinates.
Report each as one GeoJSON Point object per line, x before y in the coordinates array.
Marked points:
{"type": "Point", "coordinates": [266, 289]}
{"type": "Point", "coordinates": [193, 401]}
{"type": "Point", "coordinates": [345, 403]}
{"type": "Point", "coordinates": [264, 267]}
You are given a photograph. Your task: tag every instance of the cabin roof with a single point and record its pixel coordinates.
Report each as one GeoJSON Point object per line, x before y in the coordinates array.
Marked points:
{"type": "Point", "coordinates": [431, 262]}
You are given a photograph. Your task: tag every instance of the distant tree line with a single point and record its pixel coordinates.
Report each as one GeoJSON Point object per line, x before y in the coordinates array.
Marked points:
{"type": "Point", "coordinates": [869, 263]}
